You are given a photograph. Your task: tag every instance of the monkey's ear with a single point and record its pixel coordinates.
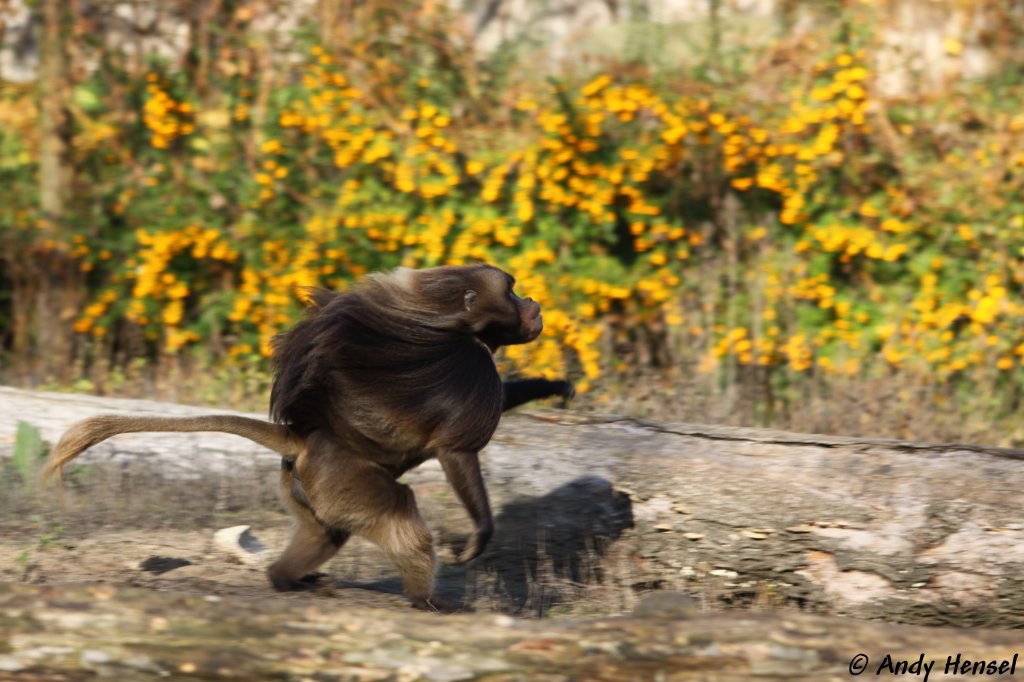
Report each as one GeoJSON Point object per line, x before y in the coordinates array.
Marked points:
{"type": "Point", "coordinates": [469, 299]}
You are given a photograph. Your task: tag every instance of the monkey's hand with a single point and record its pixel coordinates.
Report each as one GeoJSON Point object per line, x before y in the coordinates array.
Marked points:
{"type": "Point", "coordinates": [568, 392]}
{"type": "Point", "coordinates": [475, 544]}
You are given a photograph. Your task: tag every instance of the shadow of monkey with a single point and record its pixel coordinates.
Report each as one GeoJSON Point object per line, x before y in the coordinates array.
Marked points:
{"type": "Point", "coordinates": [561, 536]}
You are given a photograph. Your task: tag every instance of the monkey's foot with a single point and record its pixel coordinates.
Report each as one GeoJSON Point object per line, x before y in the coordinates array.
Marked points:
{"type": "Point", "coordinates": [306, 582]}
{"type": "Point", "coordinates": [440, 605]}
{"type": "Point", "coordinates": [312, 578]}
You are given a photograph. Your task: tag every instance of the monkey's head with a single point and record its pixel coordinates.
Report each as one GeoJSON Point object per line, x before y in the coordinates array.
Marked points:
{"type": "Point", "coordinates": [478, 299]}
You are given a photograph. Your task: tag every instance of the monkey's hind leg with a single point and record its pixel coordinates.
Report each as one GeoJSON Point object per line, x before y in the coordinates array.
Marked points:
{"type": "Point", "coordinates": [363, 498]}
{"type": "Point", "coordinates": [402, 534]}
{"type": "Point", "coordinates": [311, 544]}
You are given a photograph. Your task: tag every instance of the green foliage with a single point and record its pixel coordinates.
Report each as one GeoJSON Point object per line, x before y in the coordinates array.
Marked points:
{"type": "Point", "coordinates": [767, 217]}
{"type": "Point", "coordinates": [29, 451]}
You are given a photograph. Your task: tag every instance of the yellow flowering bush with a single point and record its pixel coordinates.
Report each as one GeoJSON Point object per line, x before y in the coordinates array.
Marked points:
{"type": "Point", "coordinates": [794, 227]}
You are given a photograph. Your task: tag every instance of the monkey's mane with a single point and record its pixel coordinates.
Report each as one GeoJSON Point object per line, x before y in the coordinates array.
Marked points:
{"type": "Point", "coordinates": [385, 345]}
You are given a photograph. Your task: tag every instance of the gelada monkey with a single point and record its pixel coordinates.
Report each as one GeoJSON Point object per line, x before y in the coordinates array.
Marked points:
{"type": "Point", "coordinates": [373, 382]}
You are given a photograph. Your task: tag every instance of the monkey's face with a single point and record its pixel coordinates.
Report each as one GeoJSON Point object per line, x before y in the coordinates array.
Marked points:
{"type": "Point", "coordinates": [502, 317]}
{"type": "Point", "coordinates": [486, 302]}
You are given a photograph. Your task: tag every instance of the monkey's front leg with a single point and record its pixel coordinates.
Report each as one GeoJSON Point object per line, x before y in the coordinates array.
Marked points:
{"type": "Point", "coordinates": [518, 391]}
{"type": "Point", "coordinates": [463, 472]}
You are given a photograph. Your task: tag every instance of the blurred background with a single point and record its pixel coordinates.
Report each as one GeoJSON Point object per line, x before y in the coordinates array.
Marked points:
{"type": "Point", "coordinates": [806, 214]}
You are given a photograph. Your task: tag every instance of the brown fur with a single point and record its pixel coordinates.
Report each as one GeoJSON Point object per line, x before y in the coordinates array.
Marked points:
{"type": "Point", "coordinates": [370, 384]}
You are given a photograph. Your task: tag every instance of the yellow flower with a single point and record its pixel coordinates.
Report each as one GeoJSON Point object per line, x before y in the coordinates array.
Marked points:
{"type": "Point", "coordinates": [868, 211]}
{"type": "Point", "coordinates": [271, 147]}
{"type": "Point", "coordinates": [987, 309]}
{"type": "Point", "coordinates": [595, 86]}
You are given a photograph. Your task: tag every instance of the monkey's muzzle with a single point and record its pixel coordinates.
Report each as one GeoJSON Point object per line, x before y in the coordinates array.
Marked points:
{"type": "Point", "coordinates": [533, 321]}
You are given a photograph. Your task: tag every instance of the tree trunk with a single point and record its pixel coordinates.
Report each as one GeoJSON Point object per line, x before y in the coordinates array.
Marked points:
{"type": "Point", "coordinates": [54, 151]}
{"type": "Point", "coordinates": [45, 280]}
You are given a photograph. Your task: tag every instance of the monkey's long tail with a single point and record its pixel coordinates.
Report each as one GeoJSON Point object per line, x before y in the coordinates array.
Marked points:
{"type": "Point", "coordinates": [88, 432]}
